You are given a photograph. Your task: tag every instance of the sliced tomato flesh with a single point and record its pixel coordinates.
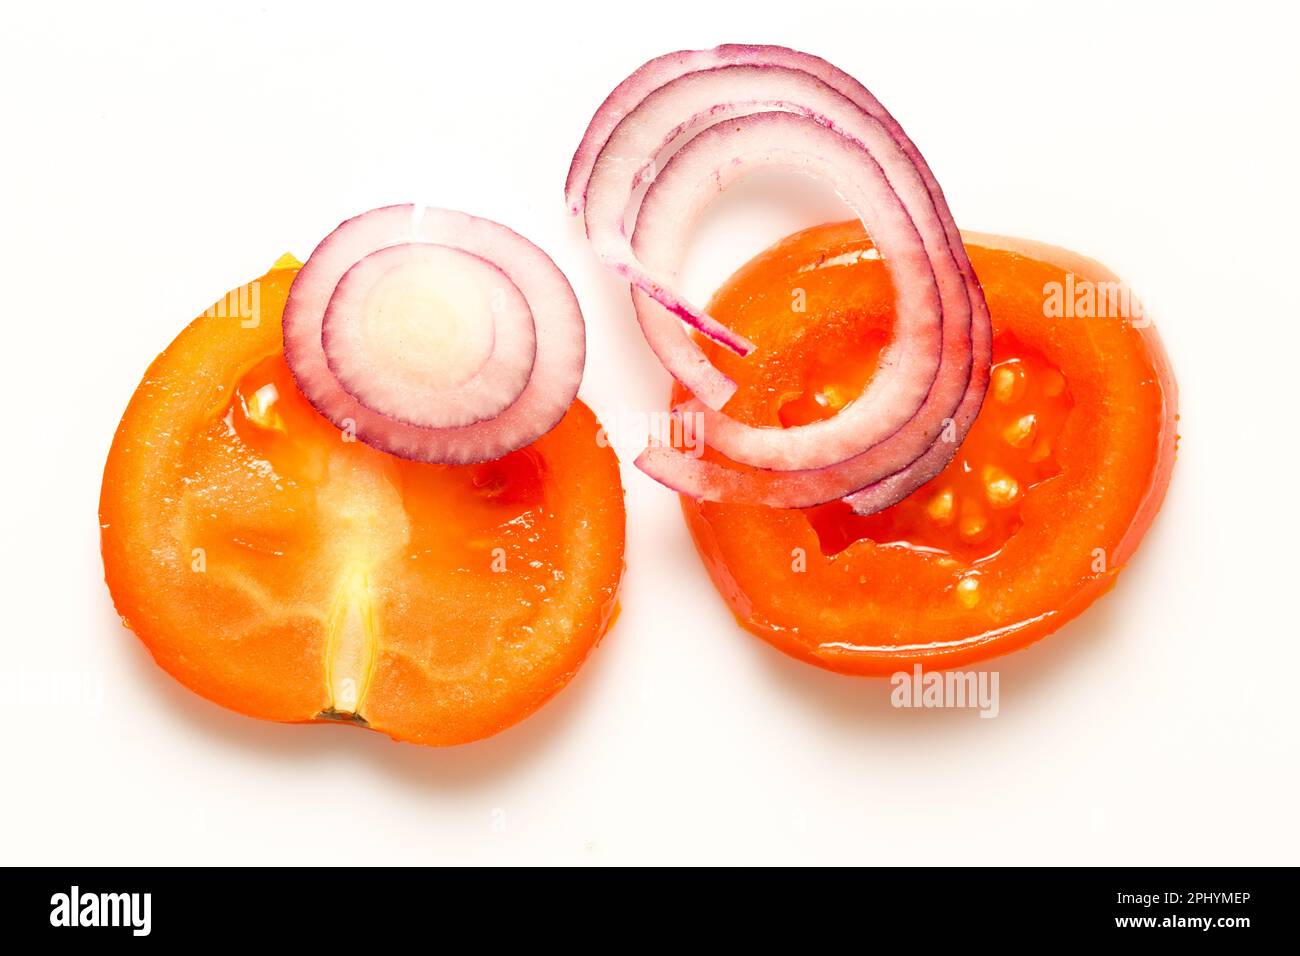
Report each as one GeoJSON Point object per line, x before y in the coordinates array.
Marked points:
{"type": "Point", "coordinates": [973, 507]}
{"type": "Point", "coordinates": [1043, 503]}
{"type": "Point", "coordinates": [279, 567]}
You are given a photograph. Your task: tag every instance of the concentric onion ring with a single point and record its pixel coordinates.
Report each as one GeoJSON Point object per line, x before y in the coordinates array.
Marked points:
{"type": "Point", "coordinates": [770, 106]}
{"type": "Point", "coordinates": [434, 335]}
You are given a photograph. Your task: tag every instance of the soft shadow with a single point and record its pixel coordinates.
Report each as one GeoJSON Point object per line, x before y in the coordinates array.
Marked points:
{"type": "Point", "coordinates": [1029, 678]}
{"type": "Point", "coordinates": [467, 766]}
{"type": "Point", "coordinates": [1026, 678]}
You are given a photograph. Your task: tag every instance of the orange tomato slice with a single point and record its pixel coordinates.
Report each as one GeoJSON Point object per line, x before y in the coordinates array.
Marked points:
{"type": "Point", "coordinates": [1044, 503]}
{"type": "Point", "coordinates": [282, 570]}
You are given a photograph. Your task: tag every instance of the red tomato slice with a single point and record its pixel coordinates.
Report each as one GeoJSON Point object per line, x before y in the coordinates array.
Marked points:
{"type": "Point", "coordinates": [1043, 505]}
{"type": "Point", "coordinates": [282, 570]}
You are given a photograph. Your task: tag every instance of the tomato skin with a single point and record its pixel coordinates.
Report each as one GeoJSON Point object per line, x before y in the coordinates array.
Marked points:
{"type": "Point", "coordinates": [874, 608]}
{"type": "Point", "coordinates": [280, 570]}
{"type": "Point", "coordinates": [1166, 423]}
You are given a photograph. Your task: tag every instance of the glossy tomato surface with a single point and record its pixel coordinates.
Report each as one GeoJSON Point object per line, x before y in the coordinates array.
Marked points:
{"type": "Point", "coordinates": [1043, 504]}
{"type": "Point", "coordinates": [277, 566]}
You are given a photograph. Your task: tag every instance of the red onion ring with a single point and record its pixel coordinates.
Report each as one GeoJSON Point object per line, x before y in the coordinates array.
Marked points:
{"type": "Point", "coordinates": [498, 378]}
{"type": "Point", "coordinates": [722, 153]}
{"type": "Point", "coordinates": [880, 445]}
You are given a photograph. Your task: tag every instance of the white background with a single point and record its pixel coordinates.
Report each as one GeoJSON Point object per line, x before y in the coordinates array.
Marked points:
{"type": "Point", "coordinates": [154, 157]}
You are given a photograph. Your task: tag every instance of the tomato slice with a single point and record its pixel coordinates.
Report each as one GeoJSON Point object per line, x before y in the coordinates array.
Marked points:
{"type": "Point", "coordinates": [278, 568]}
{"type": "Point", "coordinates": [1044, 503]}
